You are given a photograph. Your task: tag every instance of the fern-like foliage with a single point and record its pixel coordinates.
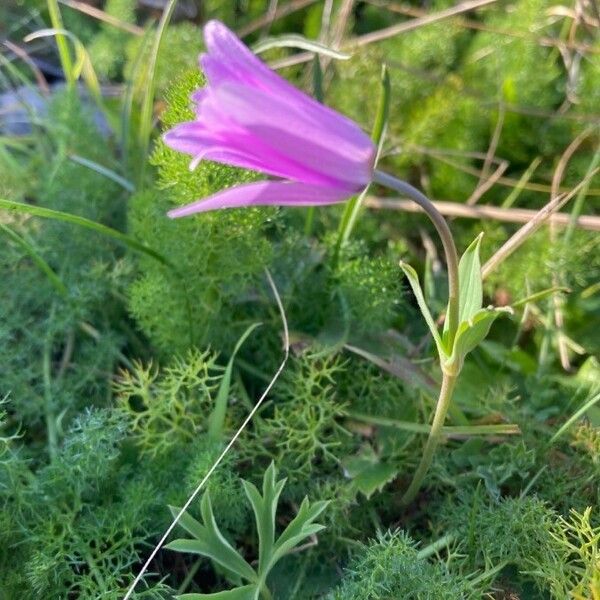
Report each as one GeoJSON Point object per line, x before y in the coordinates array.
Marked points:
{"type": "Point", "coordinates": [211, 284]}
{"type": "Point", "coordinates": [168, 410]}
{"type": "Point", "coordinates": [390, 567]}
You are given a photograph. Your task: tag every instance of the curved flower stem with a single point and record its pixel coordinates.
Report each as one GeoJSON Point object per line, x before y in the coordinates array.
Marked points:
{"type": "Point", "coordinates": [449, 379]}
{"type": "Point", "coordinates": [447, 241]}
{"type": "Point", "coordinates": [443, 403]}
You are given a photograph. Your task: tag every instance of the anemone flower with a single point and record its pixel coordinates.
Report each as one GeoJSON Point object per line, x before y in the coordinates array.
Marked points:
{"type": "Point", "coordinates": [247, 116]}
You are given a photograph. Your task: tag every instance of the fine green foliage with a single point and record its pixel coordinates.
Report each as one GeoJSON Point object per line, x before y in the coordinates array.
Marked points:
{"type": "Point", "coordinates": [390, 567]}
{"type": "Point", "coordinates": [107, 48]}
{"type": "Point", "coordinates": [130, 345]}
{"type": "Point", "coordinates": [164, 412]}
{"type": "Point", "coordinates": [209, 283]}
{"type": "Point", "coordinates": [209, 541]}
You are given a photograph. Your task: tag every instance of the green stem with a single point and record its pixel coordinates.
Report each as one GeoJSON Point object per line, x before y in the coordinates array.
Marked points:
{"type": "Point", "coordinates": [309, 221]}
{"type": "Point", "coordinates": [48, 409]}
{"type": "Point", "coordinates": [354, 205]}
{"type": "Point", "coordinates": [435, 435]}
{"type": "Point", "coordinates": [265, 593]}
{"type": "Point", "coordinates": [64, 52]}
{"type": "Point", "coordinates": [435, 546]}
{"type": "Point", "coordinates": [445, 235]}
{"type": "Point", "coordinates": [190, 575]}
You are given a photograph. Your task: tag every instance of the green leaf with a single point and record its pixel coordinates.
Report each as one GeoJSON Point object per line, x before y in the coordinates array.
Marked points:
{"type": "Point", "coordinates": [265, 508]}
{"type": "Point", "coordinates": [57, 215]}
{"type": "Point", "coordinates": [469, 279]}
{"type": "Point", "coordinates": [368, 473]}
{"type": "Point", "coordinates": [216, 418]}
{"type": "Point", "coordinates": [299, 529]}
{"type": "Point", "coordinates": [413, 279]}
{"type": "Point", "coordinates": [247, 592]}
{"type": "Point", "coordinates": [210, 542]}
{"type": "Point", "coordinates": [188, 523]}
{"type": "Point", "coordinates": [37, 258]}
{"type": "Point", "coordinates": [470, 333]}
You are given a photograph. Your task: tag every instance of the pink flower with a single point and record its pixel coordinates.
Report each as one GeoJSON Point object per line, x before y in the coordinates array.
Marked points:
{"type": "Point", "coordinates": [247, 116]}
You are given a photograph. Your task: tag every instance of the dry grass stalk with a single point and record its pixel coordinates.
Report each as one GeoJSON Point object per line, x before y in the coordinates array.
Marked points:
{"type": "Point", "coordinates": [101, 15]}
{"type": "Point", "coordinates": [388, 32]}
{"type": "Point", "coordinates": [477, 26]}
{"type": "Point", "coordinates": [557, 298]}
{"type": "Point", "coordinates": [530, 228]}
{"type": "Point", "coordinates": [506, 215]}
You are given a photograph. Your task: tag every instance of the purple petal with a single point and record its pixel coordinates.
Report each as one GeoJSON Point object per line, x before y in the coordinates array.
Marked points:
{"type": "Point", "coordinates": [229, 60]}
{"type": "Point", "coordinates": [290, 133]}
{"type": "Point", "coordinates": [238, 147]}
{"type": "Point", "coordinates": [265, 193]}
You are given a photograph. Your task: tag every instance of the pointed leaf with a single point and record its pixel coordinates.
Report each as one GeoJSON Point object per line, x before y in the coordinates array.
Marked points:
{"type": "Point", "coordinates": [265, 508]}
{"type": "Point", "coordinates": [470, 333]}
{"type": "Point", "coordinates": [188, 545]}
{"type": "Point", "coordinates": [189, 523]}
{"type": "Point", "coordinates": [248, 592]}
{"type": "Point", "coordinates": [299, 529]}
{"type": "Point", "coordinates": [413, 279]}
{"type": "Point", "coordinates": [216, 419]}
{"type": "Point", "coordinates": [469, 278]}
{"type": "Point", "coordinates": [209, 541]}
{"type": "Point", "coordinates": [221, 550]}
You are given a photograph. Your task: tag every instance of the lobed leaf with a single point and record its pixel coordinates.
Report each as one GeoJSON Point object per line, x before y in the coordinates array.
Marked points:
{"type": "Point", "coordinates": [210, 542]}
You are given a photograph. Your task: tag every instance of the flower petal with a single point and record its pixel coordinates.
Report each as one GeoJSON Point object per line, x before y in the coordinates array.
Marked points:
{"type": "Point", "coordinates": [265, 193]}
{"type": "Point", "coordinates": [229, 60]}
{"type": "Point", "coordinates": [290, 133]}
{"type": "Point", "coordinates": [215, 138]}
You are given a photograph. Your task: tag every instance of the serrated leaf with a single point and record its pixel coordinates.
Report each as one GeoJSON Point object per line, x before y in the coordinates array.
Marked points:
{"type": "Point", "coordinates": [413, 279]}
{"type": "Point", "coordinates": [374, 477]}
{"type": "Point", "coordinates": [470, 333]}
{"type": "Point", "coordinates": [210, 542]}
{"type": "Point", "coordinates": [248, 592]}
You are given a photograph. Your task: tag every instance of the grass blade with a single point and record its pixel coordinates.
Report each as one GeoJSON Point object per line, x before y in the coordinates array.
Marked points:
{"type": "Point", "coordinates": [108, 173]}
{"type": "Point", "coordinates": [217, 417]}
{"type": "Point", "coordinates": [39, 261]}
{"type": "Point", "coordinates": [64, 52]}
{"type": "Point", "coordinates": [48, 213]}
{"type": "Point", "coordinates": [301, 42]}
{"type": "Point", "coordinates": [146, 111]}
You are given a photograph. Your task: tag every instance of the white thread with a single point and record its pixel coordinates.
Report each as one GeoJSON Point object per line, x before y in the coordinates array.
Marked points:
{"type": "Point", "coordinates": [163, 539]}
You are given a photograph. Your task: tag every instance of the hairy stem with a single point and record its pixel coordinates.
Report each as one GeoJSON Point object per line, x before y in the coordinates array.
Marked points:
{"type": "Point", "coordinates": [446, 237]}
{"type": "Point", "coordinates": [435, 435]}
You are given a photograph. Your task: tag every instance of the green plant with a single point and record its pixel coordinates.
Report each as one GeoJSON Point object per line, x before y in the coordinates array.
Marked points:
{"type": "Point", "coordinates": [390, 567]}
{"type": "Point", "coordinates": [208, 540]}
